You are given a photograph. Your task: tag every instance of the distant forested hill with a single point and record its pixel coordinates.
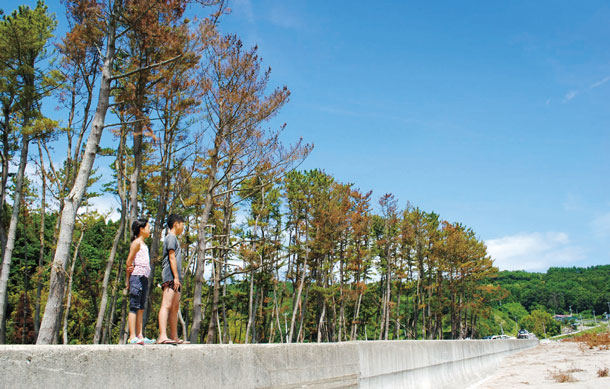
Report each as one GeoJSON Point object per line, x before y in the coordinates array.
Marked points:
{"type": "Point", "coordinates": [585, 289]}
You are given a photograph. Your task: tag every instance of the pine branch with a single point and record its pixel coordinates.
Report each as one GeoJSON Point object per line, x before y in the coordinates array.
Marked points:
{"type": "Point", "coordinates": [155, 65]}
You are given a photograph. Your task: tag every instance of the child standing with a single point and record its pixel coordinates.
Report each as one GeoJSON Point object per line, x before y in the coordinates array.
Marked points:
{"type": "Point", "coordinates": [172, 281]}
{"type": "Point", "coordinates": [138, 271]}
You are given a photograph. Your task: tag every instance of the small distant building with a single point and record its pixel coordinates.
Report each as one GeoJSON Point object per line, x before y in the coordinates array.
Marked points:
{"type": "Point", "coordinates": [562, 318]}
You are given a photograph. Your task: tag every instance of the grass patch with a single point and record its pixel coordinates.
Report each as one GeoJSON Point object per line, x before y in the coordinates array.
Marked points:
{"type": "Point", "coordinates": [561, 376]}
{"type": "Point", "coordinates": [592, 340]}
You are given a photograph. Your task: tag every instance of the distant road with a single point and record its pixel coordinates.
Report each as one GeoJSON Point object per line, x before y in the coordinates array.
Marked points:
{"type": "Point", "coordinates": [576, 332]}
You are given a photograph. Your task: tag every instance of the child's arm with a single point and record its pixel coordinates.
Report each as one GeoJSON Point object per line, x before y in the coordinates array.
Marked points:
{"type": "Point", "coordinates": [135, 247]}
{"type": "Point", "coordinates": [174, 266]}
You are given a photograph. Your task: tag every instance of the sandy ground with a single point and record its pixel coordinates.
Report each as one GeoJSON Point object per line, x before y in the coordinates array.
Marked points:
{"type": "Point", "coordinates": [535, 368]}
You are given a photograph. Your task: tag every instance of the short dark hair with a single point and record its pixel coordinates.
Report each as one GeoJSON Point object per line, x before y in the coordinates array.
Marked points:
{"type": "Point", "coordinates": [172, 219]}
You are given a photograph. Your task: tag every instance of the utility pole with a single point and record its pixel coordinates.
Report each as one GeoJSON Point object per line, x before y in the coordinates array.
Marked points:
{"type": "Point", "coordinates": [544, 330]}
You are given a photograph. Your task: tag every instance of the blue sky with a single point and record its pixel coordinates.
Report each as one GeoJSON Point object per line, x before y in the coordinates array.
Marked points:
{"type": "Point", "coordinates": [493, 114]}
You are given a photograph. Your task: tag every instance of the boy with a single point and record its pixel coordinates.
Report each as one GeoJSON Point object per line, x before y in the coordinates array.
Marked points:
{"type": "Point", "coordinates": [172, 281]}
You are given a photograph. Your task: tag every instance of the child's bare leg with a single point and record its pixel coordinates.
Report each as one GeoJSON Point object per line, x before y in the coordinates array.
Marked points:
{"type": "Point", "coordinates": [164, 311]}
{"type": "Point", "coordinates": [139, 317]}
{"type": "Point", "coordinates": [173, 316]}
{"type": "Point", "coordinates": [132, 325]}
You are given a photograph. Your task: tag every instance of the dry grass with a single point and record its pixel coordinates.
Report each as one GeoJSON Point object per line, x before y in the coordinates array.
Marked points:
{"type": "Point", "coordinates": [600, 341]}
{"type": "Point", "coordinates": [602, 372]}
{"type": "Point", "coordinates": [561, 376]}
{"type": "Point", "coordinates": [573, 369]}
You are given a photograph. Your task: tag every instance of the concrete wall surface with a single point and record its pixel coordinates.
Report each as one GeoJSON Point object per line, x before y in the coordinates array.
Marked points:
{"type": "Point", "coordinates": [374, 364]}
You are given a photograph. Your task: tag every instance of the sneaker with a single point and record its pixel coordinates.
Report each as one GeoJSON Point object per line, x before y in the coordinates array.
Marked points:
{"type": "Point", "coordinates": [136, 341]}
{"type": "Point", "coordinates": [148, 341]}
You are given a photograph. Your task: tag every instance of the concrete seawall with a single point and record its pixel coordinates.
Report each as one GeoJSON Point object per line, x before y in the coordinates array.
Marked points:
{"type": "Point", "coordinates": [375, 364]}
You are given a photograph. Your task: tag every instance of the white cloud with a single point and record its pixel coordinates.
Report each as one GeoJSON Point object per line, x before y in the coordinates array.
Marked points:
{"type": "Point", "coordinates": [600, 82]}
{"type": "Point", "coordinates": [573, 93]}
{"type": "Point", "coordinates": [570, 95]}
{"type": "Point", "coordinates": [104, 205]}
{"type": "Point", "coordinates": [534, 251]}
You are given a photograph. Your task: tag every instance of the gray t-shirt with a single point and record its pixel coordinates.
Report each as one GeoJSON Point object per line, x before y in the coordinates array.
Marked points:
{"type": "Point", "coordinates": [171, 243]}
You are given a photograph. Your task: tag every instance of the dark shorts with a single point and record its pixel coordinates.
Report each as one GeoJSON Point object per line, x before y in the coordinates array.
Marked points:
{"type": "Point", "coordinates": [138, 286]}
{"type": "Point", "coordinates": [170, 284]}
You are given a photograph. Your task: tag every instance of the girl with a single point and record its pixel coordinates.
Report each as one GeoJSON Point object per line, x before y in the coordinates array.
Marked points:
{"type": "Point", "coordinates": [138, 271]}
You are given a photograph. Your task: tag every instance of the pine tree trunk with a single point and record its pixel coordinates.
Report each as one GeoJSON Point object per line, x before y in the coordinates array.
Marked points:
{"type": "Point", "coordinates": [122, 264]}
{"type": "Point", "coordinates": [107, 329]}
{"type": "Point", "coordinates": [419, 301]}
{"type": "Point", "coordinates": [272, 325]}
{"type": "Point", "coordinates": [301, 283]}
{"type": "Point", "coordinates": [73, 201]}
{"type": "Point", "coordinates": [43, 206]}
{"type": "Point", "coordinates": [397, 321]}
{"type": "Point", "coordinates": [382, 315]}
{"type": "Point", "coordinates": [438, 327]}
{"type": "Point", "coordinates": [321, 322]}
{"type": "Point", "coordinates": [115, 244]}
{"type": "Point", "coordinates": [71, 278]}
{"type": "Point", "coordinates": [250, 306]}
{"type": "Point", "coordinates": [225, 324]}
{"type": "Point", "coordinates": [297, 302]}
{"type": "Point", "coordinates": [12, 232]}
{"type": "Point", "coordinates": [201, 245]}
{"type": "Point", "coordinates": [158, 229]}
{"type": "Point", "coordinates": [256, 305]}
{"type": "Point", "coordinates": [429, 313]}
{"type": "Point", "coordinates": [182, 323]}
{"type": "Point", "coordinates": [137, 153]}
{"type": "Point", "coordinates": [332, 326]}
{"type": "Point", "coordinates": [277, 317]}
{"type": "Point", "coordinates": [214, 318]}
{"type": "Point", "coordinates": [109, 264]}
{"type": "Point", "coordinates": [354, 333]}
{"type": "Point", "coordinates": [388, 293]}
{"type": "Point", "coordinates": [6, 157]}
{"type": "Point", "coordinates": [215, 300]}
{"type": "Point", "coordinates": [341, 305]}
{"type": "Point", "coordinates": [122, 333]}
{"type": "Point", "coordinates": [26, 285]}
{"type": "Point", "coordinates": [301, 334]}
